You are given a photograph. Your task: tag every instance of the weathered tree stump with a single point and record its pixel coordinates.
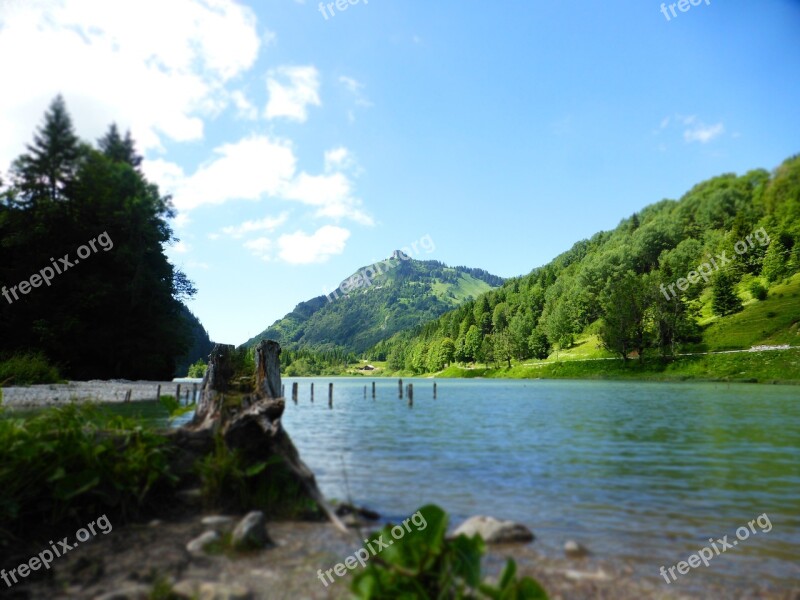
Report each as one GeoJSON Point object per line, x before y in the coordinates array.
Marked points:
{"type": "Point", "coordinates": [250, 423]}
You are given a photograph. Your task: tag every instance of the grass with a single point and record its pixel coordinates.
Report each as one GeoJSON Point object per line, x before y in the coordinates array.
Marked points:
{"type": "Point", "coordinates": [774, 321]}
{"type": "Point", "coordinates": [76, 461]}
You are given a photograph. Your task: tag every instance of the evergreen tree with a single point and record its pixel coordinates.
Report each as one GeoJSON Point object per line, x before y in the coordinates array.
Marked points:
{"type": "Point", "coordinates": [119, 149]}
{"type": "Point", "coordinates": [49, 166]}
{"type": "Point", "coordinates": [724, 300]}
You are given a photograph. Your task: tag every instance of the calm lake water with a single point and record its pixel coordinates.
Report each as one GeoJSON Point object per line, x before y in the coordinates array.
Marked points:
{"type": "Point", "coordinates": [644, 472]}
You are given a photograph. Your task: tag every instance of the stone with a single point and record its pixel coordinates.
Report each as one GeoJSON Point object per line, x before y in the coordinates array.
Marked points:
{"type": "Point", "coordinates": [217, 521]}
{"type": "Point", "coordinates": [192, 589]}
{"type": "Point", "coordinates": [133, 592]}
{"type": "Point", "coordinates": [251, 532]}
{"type": "Point", "coordinates": [198, 544]}
{"type": "Point", "coordinates": [494, 531]}
{"type": "Point", "coordinates": [575, 550]}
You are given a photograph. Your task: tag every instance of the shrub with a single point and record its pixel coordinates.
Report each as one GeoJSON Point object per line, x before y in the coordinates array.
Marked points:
{"type": "Point", "coordinates": [76, 460]}
{"type": "Point", "coordinates": [26, 369]}
{"type": "Point", "coordinates": [759, 291]}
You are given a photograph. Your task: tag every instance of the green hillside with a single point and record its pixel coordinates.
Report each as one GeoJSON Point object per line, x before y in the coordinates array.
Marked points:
{"type": "Point", "coordinates": [376, 302]}
{"type": "Point", "coordinates": [717, 270]}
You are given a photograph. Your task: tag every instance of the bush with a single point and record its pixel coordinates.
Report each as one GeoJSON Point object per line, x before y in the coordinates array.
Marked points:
{"type": "Point", "coordinates": [26, 369]}
{"type": "Point", "coordinates": [425, 566]}
{"type": "Point", "coordinates": [758, 291]}
{"type": "Point", "coordinates": [198, 369]}
{"type": "Point", "coordinates": [76, 460]}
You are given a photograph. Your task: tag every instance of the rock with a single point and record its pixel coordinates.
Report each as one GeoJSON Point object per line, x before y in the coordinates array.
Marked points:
{"type": "Point", "coordinates": [251, 532]}
{"type": "Point", "coordinates": [217, 521]}
{"type": "Point", "coordinates": [345, 509]}
{"type": "Point", "coordinates": [575, 550]}
{"type": "Point", "coordinates": [495, 532]}
{"type": "Point", "coordinates": [198, 544]}
{"type": "Point", "coordinates": [133, 592]}
{"type": "Point", "coordinates": [205, 590]}
{"type": "Point", "coordinates": [598, 575]}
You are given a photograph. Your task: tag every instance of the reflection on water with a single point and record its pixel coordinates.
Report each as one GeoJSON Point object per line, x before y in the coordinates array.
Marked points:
{"type": "Point", "coordinates": [645, 472]}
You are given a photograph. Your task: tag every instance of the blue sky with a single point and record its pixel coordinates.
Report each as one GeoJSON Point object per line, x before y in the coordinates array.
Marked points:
{"type": "Point", "coordinates": [299, 148]}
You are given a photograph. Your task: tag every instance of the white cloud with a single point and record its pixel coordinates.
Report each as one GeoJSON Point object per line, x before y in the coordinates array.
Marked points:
{"type": "Point", "coordinates": [300, 248]}
{"type": "Point", "coordinates": [339, 159]}
{"type": "Point", "coordinates": [244, 170]}
{"type": "Point", "coordinates": [260, 247]}
{"type": "Point", "coordinates": [245, 109]}
{"type": "Point", "coordinates": [156, 68]}
{"type": "Point", "coordinates": [703, 133]}
{"type": "Point", "coordinates": [266, 224]}
{"type": "Point", "coordinates": [181, 247]}
{"type": "Point", "coordinates": [291, 91]}
{"type": "Point", "coordinates": [260, 167]}
{"type": "Point", "coordinates": [356, 88]}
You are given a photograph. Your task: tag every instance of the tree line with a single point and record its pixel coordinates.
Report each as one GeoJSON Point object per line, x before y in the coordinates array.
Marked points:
{"type": "Point", "coordinates": [118, 313]}
{"type": "Point", "coordinates": [610, 285]}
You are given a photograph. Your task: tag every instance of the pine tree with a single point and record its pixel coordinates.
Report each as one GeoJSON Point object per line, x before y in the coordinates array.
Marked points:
{"type": "Point", "coordinates": [52, 160]}
{"type": "Point", "coordinates": [119, 149]}
{"type": "Point", "coordinates": [725, 301]}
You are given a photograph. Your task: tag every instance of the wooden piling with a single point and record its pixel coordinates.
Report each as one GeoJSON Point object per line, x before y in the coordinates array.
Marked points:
{"type": "Point", "coordinates": [312, 392]}
{"type": "Point", "coordinates": [158, 392]}
{"type": "Point", "coordinates": [373, 390]}
{"type": "Point", "coordinates": [128, 396]}
{"type": "Point", "coordinates": [410, 393]}
{"type": "Point", "coordinates": [330, 395]}
{"type": "Point", "coordinates": [283, 391]}
{"type": "Point", "coordinates": [400, 389]}
{"type": "Point", "coordinates": [294, 392]}
{"type": "Point", "coordinates": [194, 393]}
{"type": "Point", "coordinates": [178, 393]}
{"type": "Point", "coordinates": [365, 392]}
{"type": "Point", "coordinates": [434, 391]}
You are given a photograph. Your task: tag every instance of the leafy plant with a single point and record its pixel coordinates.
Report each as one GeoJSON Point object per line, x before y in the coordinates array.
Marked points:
{"type": "Point", "coordinates": [424, 565]}
{"type": "Point", "coordinates": [198, 369]}
{"type": "Point", "coordinates": [759, 291]}
{"type": "Point", "coordinates": [76, 459]}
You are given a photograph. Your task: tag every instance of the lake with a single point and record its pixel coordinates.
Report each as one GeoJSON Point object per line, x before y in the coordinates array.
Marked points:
{"type": "Point", "coordinates": [643, 472]}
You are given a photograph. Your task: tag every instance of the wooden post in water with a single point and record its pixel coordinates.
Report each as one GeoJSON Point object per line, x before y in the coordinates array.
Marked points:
{"type": "Point", "coordinates": [410, 391]}
{"type": "Point", "coordinates": [373, 390]}
{"type": "Point", "coordinates": [330, 395]}
{"type": "Point", "coordinates": [365, 392]}
{"type": "Point", "coordinates": [128, 396]}
{"type": "Point", "coordinates": [283, 390]}
{"type": "Point", "coordinates": [187, 397]}
{"type": "Point", "coordinates": [400, 389]}
{"type": "Point", "coordinates": [158, 392]}
{"type": "Point", "coordinates": [434, 390]}
{"type": "Point", "coordinates": [178, 393]}
{"type": "Point", "coordinates": [194, 393]}
{"type": "Point", "coordinates": [312, 392]}
{"type": "Point", "coordinates": [294, 392]}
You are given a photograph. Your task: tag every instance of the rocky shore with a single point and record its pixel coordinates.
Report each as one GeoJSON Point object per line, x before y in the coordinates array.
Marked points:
{"type": "Point", "coordinates": [133, 561]}
{"type": "Point", "coordinates": [98, 391]}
